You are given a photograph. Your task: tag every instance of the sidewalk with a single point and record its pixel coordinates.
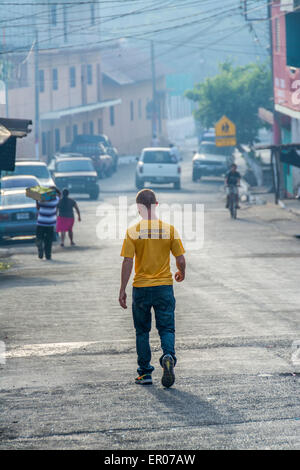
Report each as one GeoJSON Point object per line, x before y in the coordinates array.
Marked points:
{"type": "Point", "coordinates": [292, 205]}
{"type": "Point", "coordinates": [284, 217]}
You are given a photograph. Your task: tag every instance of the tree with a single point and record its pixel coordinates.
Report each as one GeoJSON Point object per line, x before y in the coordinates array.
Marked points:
{"type": "Point", "coordinates": [237, 92]}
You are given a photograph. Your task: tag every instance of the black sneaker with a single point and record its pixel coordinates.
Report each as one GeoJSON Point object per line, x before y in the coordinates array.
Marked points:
{"type": "Point", "coordinates": [168, 377]}
{"type": "Point", "coordinates": [145, 379]}
{"type": "Point", "coordinates": [40, 252]}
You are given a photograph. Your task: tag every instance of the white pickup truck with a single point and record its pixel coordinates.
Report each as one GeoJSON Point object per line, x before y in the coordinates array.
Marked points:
{"type": "Point", "coordinates": [157, 165]}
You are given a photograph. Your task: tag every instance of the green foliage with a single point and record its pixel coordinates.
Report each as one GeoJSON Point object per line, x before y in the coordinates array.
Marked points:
{"type": "Point", "coordinates": [237, 92]}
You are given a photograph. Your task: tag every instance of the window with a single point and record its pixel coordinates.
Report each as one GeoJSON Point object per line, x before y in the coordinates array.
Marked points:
{"type": "Point", "coordinates": [75, 130]}
{"type": "Point", "coordinates": [23, 79]}
{"type": "Point", "coordinates": [112, 115]}
{"type": "Point", "coordinates": [91, 127]}
{"type": "Point", "coordinates": [72, 77]}
{"type": "Point", "coordinates": [131, 111]}
{"type": "Point", "coordinates": [74, 165]}
{"type": "Point", "coordinates": [56, 140]}
{"type": "Point", "coordinates": [277, 34]}
{"type": "Point", "coordinates": [42, 81]}
{"type": "Point", "coordinates": [98, 81]}
{"type": "Point", "coordinates": [53, 15]}
{"type": "Point", "coordinates": [89, 74]}
{"type": "Point", "coordinates": [44, 143]}
{"type": "Point", "coordinates": [68, 134]}
{"type": "Point", "coordinates": [158, 157]}
{"type": "Point", "coordinates": [84, 128]}
{"type": "Point", "coordinates": [140, 108]}
{"type": "Point", "coordinates": [100, 126]}
{"type": "Point", "coordinates": [39, 171]}
{"type": "Point", "coordinates": [92, 14]}
{"type": "Point", "coordinates": [54, 79]}
{"type": "Point", "coordinates": [65, 23]}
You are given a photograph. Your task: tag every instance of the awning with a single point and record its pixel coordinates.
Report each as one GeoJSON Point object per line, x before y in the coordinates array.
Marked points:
{"type": "Point", "coordinates": [16, 127]}
{"type": "Point", "coordinates": [54, 115]}
{"type": "Point", "coordinates": [10, 129]}
{"type": "Point", "coordinates": [266, 115]}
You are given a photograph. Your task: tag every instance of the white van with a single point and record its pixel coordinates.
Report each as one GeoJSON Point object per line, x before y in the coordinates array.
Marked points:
{"type": "Point", "coordinates": [157, 165]}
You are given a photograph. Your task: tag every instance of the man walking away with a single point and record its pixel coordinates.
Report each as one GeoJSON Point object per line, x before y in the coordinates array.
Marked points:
{"type": "Point", "coordinates": [150, 243]}
{"type": "Point", "coordinates": [46, 221]}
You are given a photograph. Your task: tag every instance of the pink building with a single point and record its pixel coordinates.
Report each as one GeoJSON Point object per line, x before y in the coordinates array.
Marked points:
{"type": "Point", "coordinates": [285, 16]}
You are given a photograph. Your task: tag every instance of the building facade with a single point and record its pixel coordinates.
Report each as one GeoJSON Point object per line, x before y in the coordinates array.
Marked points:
{"type": "Point", "coordinates": [286, 75]}
{"type": "Point", "coordinates": [81, 92]}
{"type": "Point", "coordinates": [126, 75]}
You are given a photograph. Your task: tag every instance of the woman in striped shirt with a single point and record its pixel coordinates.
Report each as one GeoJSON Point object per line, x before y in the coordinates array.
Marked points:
{"type": "Point", "coordinates": [46, 222]}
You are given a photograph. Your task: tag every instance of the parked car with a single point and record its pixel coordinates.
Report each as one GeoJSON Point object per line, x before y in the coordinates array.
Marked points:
{"type": "Point", "coordinates": [157, 165]}
{"type": "Point", "coordinates": [17, 182]}
{"type": "Point", "coordinates": [17, 214]}
{"type": "Point", "coordinates": [35, 168]}
{"type": "Point", "coordinates": [208, 135]}
{"type": "Point", "coordinates": [95, 146]}
{"type": "Point", "coordinates": [211, 160]}
{"type": "Point", "coordinates": [76, 174]}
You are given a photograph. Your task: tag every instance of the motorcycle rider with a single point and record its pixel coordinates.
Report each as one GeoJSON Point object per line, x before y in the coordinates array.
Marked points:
{"type": "Point", "coordinates": [233, 178]}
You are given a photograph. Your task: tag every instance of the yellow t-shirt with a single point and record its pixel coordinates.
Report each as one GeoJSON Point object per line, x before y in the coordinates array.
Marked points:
{"type": "Point", "coordinates": [150, 242]}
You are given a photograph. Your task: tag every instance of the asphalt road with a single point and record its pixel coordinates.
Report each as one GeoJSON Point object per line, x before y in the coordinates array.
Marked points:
{"type": "Point", "coordinates": [68, 378]}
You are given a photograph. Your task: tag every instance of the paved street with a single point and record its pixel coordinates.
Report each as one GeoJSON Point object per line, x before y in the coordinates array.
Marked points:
{"type": "Point", "coordinates": [68, 381]}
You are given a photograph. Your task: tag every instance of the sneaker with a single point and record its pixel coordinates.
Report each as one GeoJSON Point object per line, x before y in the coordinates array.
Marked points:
{"type": "Point", "coordinates": [40, 252]}
{"type": "Point", "coordinates": [145, 379]}
{"type": "Point", "coordinates": [168, 377]}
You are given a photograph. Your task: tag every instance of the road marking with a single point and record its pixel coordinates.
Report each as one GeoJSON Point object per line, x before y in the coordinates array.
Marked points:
{"type": "Point", "coordinates": [48, 349]}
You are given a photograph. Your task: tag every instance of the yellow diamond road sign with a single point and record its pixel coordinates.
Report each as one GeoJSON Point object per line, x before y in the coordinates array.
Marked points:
{"type": "Point", "coordinates": [225, 132]}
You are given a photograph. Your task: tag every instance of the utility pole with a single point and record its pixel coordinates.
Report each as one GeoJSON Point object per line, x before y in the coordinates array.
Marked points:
{"type": "Point", "coordinates": [5, 74]}
{"type": "Point", "coordinates": [154, 96]}
{"type": "Point", "coordinates": [37, 96]}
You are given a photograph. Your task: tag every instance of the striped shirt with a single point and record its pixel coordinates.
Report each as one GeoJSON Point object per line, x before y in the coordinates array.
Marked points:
{"type": "Point", "coordinates": [47, 213]}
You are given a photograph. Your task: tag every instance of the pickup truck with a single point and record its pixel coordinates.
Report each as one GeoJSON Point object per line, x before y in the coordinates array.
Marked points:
{"type": "Point", "coordinates": [157, 165]}
{"type": "Point", "coordinates": [211, 160]}
{"type": "Point", "coordinates": [97, 147]}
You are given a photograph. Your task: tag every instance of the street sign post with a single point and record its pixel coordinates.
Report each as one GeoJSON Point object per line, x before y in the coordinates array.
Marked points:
{"type": "Point", "coordinates": [225, 133]}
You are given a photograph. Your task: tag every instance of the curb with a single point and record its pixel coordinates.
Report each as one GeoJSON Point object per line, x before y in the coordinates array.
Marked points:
{"type": "Point", "coordinates": [5, 253]}
{"type": "Point", "coordinates": [291, 210]}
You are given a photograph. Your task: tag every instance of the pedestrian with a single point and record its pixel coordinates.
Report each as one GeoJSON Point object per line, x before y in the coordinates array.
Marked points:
{"type": "Point", "coordinates": [175, 152]}
{"type": "Point", "coordinates": [150, 242]}
{"type": "Point", "coordinates": [65, 219]}
{"type": "Point", "coordinates": [155, 141]}
{"type": "Point", "coordinates": [46, 221]}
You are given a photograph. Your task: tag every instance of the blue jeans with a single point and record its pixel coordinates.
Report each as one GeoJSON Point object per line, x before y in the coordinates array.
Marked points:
{"type": "Point", "coordinates": [161, 298]}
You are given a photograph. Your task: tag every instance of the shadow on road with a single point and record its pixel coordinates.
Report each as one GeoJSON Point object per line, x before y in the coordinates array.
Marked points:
{"type": "Point", "coordinates": [188, 408]}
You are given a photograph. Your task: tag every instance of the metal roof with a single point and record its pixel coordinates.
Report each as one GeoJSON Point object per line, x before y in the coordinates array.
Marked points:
{"type": "Point", "coordinates": [54, 115]}
{"type": "Point", "coordinates": [126, 66]}
{"type": "Point", "coordinates": [16, 127]}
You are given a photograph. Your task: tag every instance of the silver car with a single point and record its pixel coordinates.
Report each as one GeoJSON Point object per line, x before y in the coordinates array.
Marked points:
{"type": "Point", "coordinates": [17, 214]}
